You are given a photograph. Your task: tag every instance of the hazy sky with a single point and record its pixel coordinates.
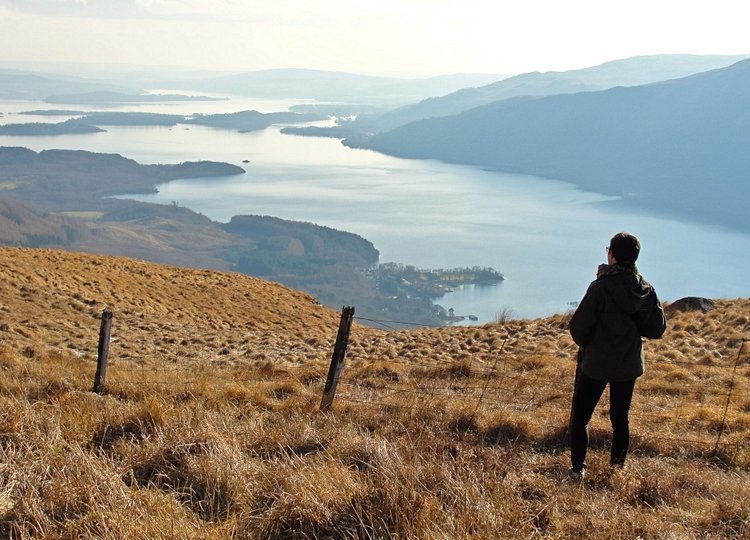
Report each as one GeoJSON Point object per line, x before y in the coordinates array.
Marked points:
{"type": "Point", "coordinates": [387, 37]}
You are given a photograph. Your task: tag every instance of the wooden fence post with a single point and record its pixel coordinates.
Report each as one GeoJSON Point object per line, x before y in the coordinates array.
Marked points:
{"type": "Point", "coordinates": [101, 361]}
{"type": "Point", "coordinates": [337, 359]}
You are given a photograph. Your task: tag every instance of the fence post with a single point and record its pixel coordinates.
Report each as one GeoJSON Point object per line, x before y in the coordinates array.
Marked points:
{"type": "Point", "coordinates": [101, 361]}
{"type": "Point", "coordinates": [337, 359]}
{"type": "Point", "coordinates": [729, 398]}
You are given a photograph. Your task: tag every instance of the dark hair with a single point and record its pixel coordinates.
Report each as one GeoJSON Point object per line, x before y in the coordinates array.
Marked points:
{"type": "Point", "coordinates": [625, 248]}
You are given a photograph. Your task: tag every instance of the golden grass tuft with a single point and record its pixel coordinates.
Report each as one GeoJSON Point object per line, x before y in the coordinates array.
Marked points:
{"type": "Point", "coordinates": [133, 428]}
{"type": "Point", "coordinates": [506, 428]}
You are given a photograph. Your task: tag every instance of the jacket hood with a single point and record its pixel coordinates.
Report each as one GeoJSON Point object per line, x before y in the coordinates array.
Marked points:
{"type": "Point", "coordinates": [628, 290]}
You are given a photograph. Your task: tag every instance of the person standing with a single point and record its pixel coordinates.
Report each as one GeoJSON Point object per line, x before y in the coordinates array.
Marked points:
{"type": "Point", "coordinates": [611, 349]}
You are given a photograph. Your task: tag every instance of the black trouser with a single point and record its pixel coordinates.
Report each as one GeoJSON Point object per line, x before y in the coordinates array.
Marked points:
{"type": "Point", "coordinates": [586, 396]}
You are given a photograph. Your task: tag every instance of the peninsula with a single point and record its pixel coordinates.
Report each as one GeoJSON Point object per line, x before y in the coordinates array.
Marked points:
{"type": "Point", "coordinates": [64, 198]}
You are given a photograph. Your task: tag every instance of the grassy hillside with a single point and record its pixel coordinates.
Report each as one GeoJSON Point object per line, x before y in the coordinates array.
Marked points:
{"type": "Point", "coordinates": [209, 426]}
{"type": "Point", "coordinates": [58, 293]}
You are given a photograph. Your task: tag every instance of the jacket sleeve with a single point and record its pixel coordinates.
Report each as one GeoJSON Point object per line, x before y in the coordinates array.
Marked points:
{"type": "Point", "coordinates": [584, 319]}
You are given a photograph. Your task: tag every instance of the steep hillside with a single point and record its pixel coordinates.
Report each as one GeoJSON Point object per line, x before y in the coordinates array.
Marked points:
{"type": "Point", "coordinates": [161, 313]}
{"type": "Point", "coordinates": [22, 226]}
{"type": "Point", "coordinates": [677, 146]}
{"type": "Point", "coordinates": [634, 71]}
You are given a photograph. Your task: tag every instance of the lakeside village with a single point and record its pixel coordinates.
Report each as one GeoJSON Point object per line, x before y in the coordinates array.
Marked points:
{"type": "Point", "coordinates": [397, 281]}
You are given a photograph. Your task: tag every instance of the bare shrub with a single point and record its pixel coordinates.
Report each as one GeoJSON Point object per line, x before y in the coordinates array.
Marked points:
{"type": "Point", "coordinates": [504, 316]}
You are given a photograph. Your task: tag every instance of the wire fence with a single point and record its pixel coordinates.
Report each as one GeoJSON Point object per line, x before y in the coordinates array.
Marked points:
{"type": "Point", "coordinates": [707, 411]}
{"type": "Point", "coordinates": [711, 410]}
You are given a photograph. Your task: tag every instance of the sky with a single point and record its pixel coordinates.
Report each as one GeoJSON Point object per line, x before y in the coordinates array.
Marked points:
{"type": "Point", "coordinates": [381, 37]}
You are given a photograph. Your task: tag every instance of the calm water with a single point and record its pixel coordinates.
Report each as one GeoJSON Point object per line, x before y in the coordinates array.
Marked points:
{"type": "Point", "coordinates": [545, 236]}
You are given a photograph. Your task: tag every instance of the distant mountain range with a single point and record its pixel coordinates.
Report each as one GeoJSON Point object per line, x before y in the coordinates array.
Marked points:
{"type": "Point", "coordinates": [322, 86]}
{"type": "Point", "coordinates": [634, 71]}
{"type": "Point", "coordinates": [336, 86]}
{"type": "Point", "coordinates": [16, 84]}
{"type": "Point", "coordinates": [104, 97]}
{"type": "Point", "coordinates": [679, 146]}
{"type": "Point", "coordinates": [415, 98]}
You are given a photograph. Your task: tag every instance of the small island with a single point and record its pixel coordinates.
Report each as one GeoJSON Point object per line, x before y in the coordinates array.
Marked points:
{"type": "Point", "coordinates": [242, 121]}
{"type": "Point", "coordinates": [248, 121]}
{"type": "Point", "coordinates": [52, 112]}
{"type": "Point", "coordinates": [40, 129]}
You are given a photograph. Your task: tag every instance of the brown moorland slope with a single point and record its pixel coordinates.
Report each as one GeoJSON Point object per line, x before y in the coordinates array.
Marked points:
{"type": "Point", "coordinates": [209, 425]}
{"type": "Point", "coordinates": [161, 313]}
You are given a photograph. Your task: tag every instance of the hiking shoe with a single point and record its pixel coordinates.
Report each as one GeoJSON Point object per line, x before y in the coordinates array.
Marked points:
{"type": "Point", "coordinates": [576, 475]}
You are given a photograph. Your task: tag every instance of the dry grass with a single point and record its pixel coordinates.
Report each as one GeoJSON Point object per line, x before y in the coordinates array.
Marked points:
{"type": "Point", "coordinates": [209, 426]}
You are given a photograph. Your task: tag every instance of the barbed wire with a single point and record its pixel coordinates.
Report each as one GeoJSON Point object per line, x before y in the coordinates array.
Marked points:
{"type": "Point", "coordinates": [528, 377]}
{"type": "Point", "coordinates": [525, 404]}
{"type": "Point", "coordinates": [503, 386]}
{"type": "Point", "coordinates": [529, 380]}
{"type": "Point", "coordinates": [461, 389]}
{"type": "Point", "coordinates": [386, 321]}
{"type": "Point", "coordinates": [450, 394]}
{"type": "Point", "coordinates": [385, 325]}
{"type": "Point", "coordinates": [568, 355]}
{"type": "Point", "coordinates": [741, 445]}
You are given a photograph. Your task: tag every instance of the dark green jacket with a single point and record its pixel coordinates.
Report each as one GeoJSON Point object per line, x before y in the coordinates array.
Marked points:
{"type": "Point", "coordinates": [612, 349]}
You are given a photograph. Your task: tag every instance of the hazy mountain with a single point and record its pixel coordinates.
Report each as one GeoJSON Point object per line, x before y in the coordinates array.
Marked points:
{"type": "Point", "coordinates": [336, 86]}
{"type": "Point", "coordinates": [104, 97]}
{"type": "Point", "coordinates": [680, 145]}
{"type": "Point", "coordinates": [634, 71]}
{"type": "Point", "coordinates": [16, 84]}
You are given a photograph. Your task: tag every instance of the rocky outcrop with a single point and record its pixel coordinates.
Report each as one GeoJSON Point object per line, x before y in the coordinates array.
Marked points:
{"type": "Point", "coordinates": [691, 303]}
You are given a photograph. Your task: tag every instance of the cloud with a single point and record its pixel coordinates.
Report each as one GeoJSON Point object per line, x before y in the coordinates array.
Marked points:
{"type": "Point", "coordinates": [198, 10]}
{"type": "Point", "coordinates": [78, 8]}
{"type": "Point", "coordinates": [119, 9]}
{"type": "Point", "coordinates": [384, 36]}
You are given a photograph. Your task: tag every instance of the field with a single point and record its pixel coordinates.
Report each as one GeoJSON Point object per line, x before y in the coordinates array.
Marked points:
{"type": "Point", "coordinates": [210, 427]}
{"type": "Point", "coordinates": [85, 215]}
